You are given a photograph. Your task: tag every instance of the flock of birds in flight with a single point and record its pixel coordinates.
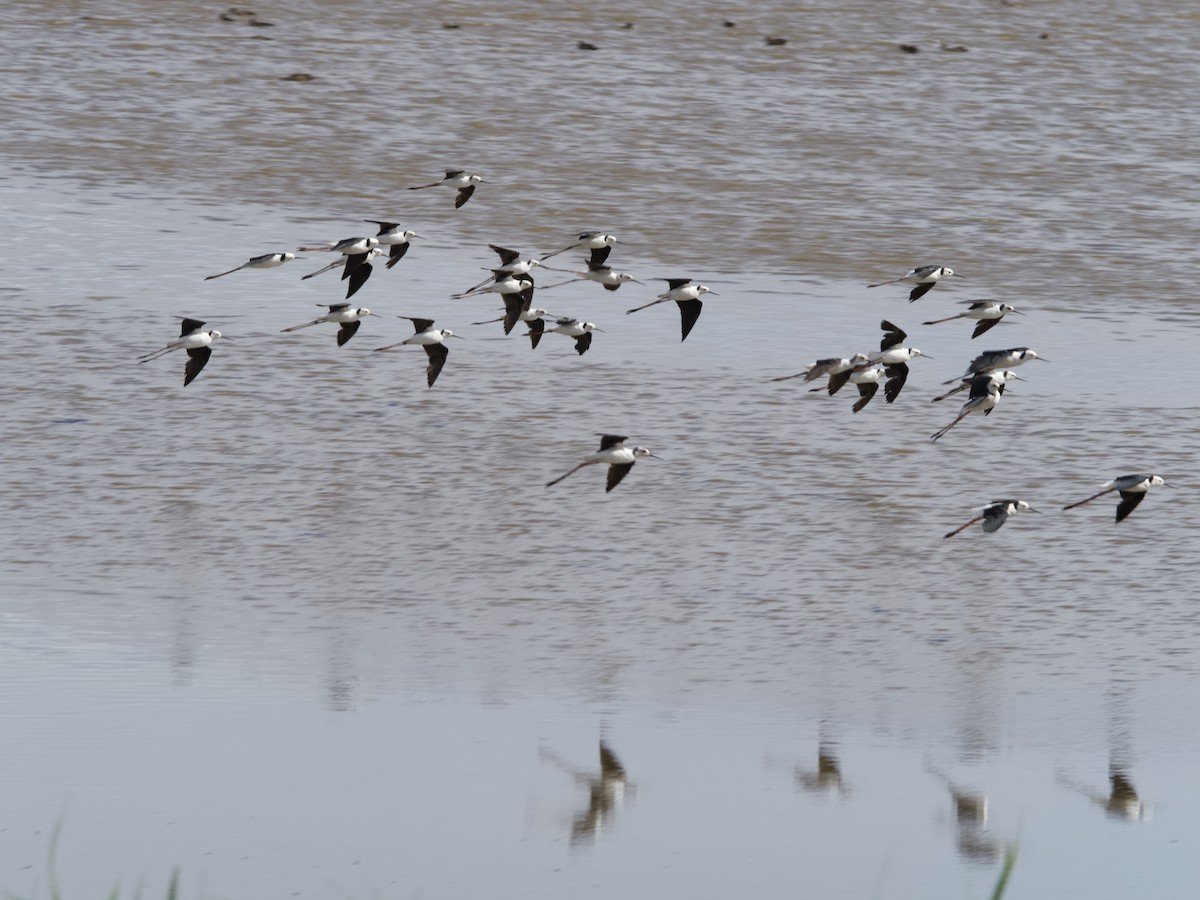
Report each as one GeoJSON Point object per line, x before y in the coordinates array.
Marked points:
{"type": "Point", "coordinates": [984, 380]}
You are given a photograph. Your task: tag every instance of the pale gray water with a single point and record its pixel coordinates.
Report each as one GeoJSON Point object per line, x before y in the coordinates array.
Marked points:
{"type": "Point", "coordinates": [307, 628]}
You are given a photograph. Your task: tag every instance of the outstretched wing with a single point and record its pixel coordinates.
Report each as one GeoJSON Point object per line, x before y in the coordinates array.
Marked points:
{"type": "Point", "coordinates": [920, 290]}
{"type": "Point", "coordinates": [463, 195]}
{"type": "Point", "coordinates": [396, 253]}
{"type": "Point", "coordinates": [896, 376]}
{"type": "Point", "coordinates": [358, 278]}
{"type": "Point", "coordinates": [1129, 502]}
{"type": "Point", "coordinates": [582, 343]}
{"type": "Point", "coordinates": [188, 326]}
{"type": "Point", "coordinates": [611, 440]}
{"type": "Point", "coordinates": [536, 329]}
{"type": "Point", "coordinates": [506, 256]}
{"type": "Point", "coordinates": [197, 358]}
{"type": "Point", "coordinates": [437, 358]}
{"type": "Point", "coordinates": [984, 325]}
{"type": "Point", "coordinates": [690, 311]}
{"type": "Point", "coordinates": [419, 324]}
{"type": "Point", "coordinates": [346, 332]}
{"type": "Point", "coordinates": [994, 516]}
{"type": "Point", "coordinates": [600, 255]}
{"type": "Point", "coordinates": [615, 474]}
{"type": "Point", "coordinates": [866, 391]}
{"type": "Point", "coordinates": [893, 335]}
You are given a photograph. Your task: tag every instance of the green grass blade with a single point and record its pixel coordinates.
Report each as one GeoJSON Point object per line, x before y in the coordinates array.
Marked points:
{"type": "Point", "coordinates": [1010, 860]}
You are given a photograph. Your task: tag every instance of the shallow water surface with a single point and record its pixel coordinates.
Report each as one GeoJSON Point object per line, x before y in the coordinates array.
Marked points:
{"type": "Point", "coordinates": [306, 628]}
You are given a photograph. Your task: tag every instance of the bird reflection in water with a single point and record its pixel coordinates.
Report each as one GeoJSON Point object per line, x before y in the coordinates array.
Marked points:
{"type": "Point", "coordinates": [606, 793]}
{"type": "Point", "coordinates": [973, 840]}
{"type": "Point", "coordinates": [1121, 801]}
{"type": "Point", "coordinates": [828, 775]}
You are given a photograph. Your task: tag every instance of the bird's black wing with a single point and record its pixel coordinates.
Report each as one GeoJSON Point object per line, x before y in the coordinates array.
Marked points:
{"type": "Point", "coordinates": [866, 391]}
{"type": "Point", "coordinates": [420, 324]}
{"type": "Point", "coordinates": [982, 326]}
{"type": "Point", "coordinates": [397, 253]}
{"type": "Point", "coordinates": [896, 376]}
{"type": "Point", "coordinates": [384, 227]}
{"type": "Point", "coordinates": [838, 381]}
{"type": "Point", "coordinates": [337, 307]}
{"type": "Point", "coordinates": [920, 291]}
{"type": "Point", "coordinates": [197, 358]}
{"type": "Point", "coordinates": [437, 358]}
{"type": "Point", "coordinates": [689, 310]}
{"type": "Point", "coordinates": [506, 256]}
{"type": "Point", "coordinates": [346, 332]}
{"type": "Point", "coordinates": [188, 326]}
{"type": "Point", "coordinates": [582, 343]}
{"type": "Point", "coordinates": [464, 194]}
{"type": "Point", "coordinates": [1129, 501]}
{"type": "Point", "coordinates": [514, 305]}
{"type": "Point", "coordinates": [353, 261]}
{"type": "Point", "coordinates": [536, 329]}
{"type": "Point", "coordinates": [454, 173]}
{"type": "Point", "coordinates": [600, 255]}
{"type": "Point", "coordinates": [893, 335]}
{"type": "Point", "coordinates": [673, 283]}
{"type": "Point", "coordinates": [981, 386]}
{"type": "Point", "coordinates": [611, 440]}
{"type": "Point", "coordinates": [615, 474]}
{"type": "Point", "coordinates": [995, 515]}
{"type": "Point", "coordinates": [358, 278]}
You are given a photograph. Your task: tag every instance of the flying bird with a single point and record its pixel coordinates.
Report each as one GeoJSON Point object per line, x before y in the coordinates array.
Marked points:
{"type": "Point", "coordinates": [432, 339]}
{"type": "Point", "coordinates": [599, 243]}
{"type": "Point", "coordinates": [195, 341]}
{"type": "Point", "coordinates": [924, 277]}
{"type": "Point", "coordinates": [601, 274]}
{"type": "Point", "coordinates": [987, 313]}
{"type": "Point", "coordinates": [993, 516]}
{"type": "Point", "coordinates": [1132, 488]}
{"type": "Point", "coordinates": [894, 357]}
{"type": "Point", "coordinates": [572, 328]}
{"type": "Point", "coordinates": [986, 392]}
{"type": "Point", "coordinates": [395, 238]}
{"type": "Point", "coordinates": [687, 294]}
{"type": "Point", "coordinates": [616, 455]}
{"type": "Point", "coordinates": [340, 314]}
{"type": "Point", "coordinates": [458, 179]}
{"type": "Point", "coordinates": [266, 261]}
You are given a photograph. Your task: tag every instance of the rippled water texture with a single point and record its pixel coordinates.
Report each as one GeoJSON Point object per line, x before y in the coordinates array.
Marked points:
{"type": "Point", "coordinates": [306, 628]}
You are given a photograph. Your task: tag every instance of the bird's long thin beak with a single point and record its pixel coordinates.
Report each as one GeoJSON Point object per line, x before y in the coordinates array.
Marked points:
{"type": "Point", "coordinates": [415, 235]}
{"type": "Point", "coordinates": [635, 281]}
{"type": "Point", "coordinates": [956, 275]}
{"type": "Point", "coordinates": [601, 330]}
{"type": "Point", "coordinates": [1043, 359]}
{"type": "Point", "coordinates": [655, 456]}
{"type": "Point", "coordinates": [224, 338]}
{"type": "Point", "coordinates": [1018, 378]}
{"type": "Point", "coordinates": [1031, 509]}
{"type": "Point", "coordinates": [714, 293]}
{"type": "Point", "coordinates": [1017, 311]}
{"type": "Point", "coordinates": [459, 336]}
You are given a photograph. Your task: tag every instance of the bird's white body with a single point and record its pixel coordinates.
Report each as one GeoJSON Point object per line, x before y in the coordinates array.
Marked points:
{"type": "Point", "coordinates": [573, 327]}
{"type": "Point", "coordinates": [920, 275]}
{"type": "Point", "coordinates": [895, 355]}
{"type": "Point", "coordinates": [866, 375]}
{"type": "Point", "coordinates": [395, 236]}
{"type": "Point", "coordinates": [999, 359]}
{"type": "Point", "coordinates": [432, 336]}
{"type": "Point", "coordinates": [504, 283]}
{"type": "Point", "coordinates": [461, 180]}
{"type": "Point", "coordinates": [193, 341]}
{"type": "Point", "coordinates": [607, 277]}
{"type": "Point", "coordinates": [686, 292]}
{"type": "Point", "coordinates": [821, 368]}
{"type": "Point", "coordinates": [342, 316]}
{"type": "Point", "coordinates": [338, 263]}
{"type": "Point", "coordinates": [1137, 484]}
{"type": "Point", "coordinates": [987, 309]}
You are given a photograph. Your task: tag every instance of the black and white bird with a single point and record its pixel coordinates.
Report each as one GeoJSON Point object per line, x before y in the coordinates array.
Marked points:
{"type": "Point", "coordinates": [432, 339]}
{"type": "Point", "coordinates": [502, 283]}
{"type": "Point", "coordinates": [986, 392]}
{"type": "Point", "coordinates": [356, 250]}
{"type": "Point", "coordinates": [518, 311]}
{"type": "Point", "coordinates": [374, 253]}
{"type": "Point", "coordinates": [924, 277]}
{"type": "Point", "coordinates": [266, 261]}
{"type": "Point", "coordinates": [460, 180]}
{"type": "Point", "coordinates": [686, 293]}
{"type": "Point", "coordinates": [867, 379]}
{"type": "Point", "coordinates": [1000, 376]}
{"type": "Point", "coordinates": [998, 359]}
{"type": "Point", "coordinates": [828, 368]}
{"type": "Point", "coordinates": [602, 275]}
{"type": "Point", "coordinates": [994, 515]}
{"type": "Point", "coordinates": [1132, 488]}
{"type": "Point", "coordinates": [987, 313]}
{"type": "Point", "coordinates": [572, 328]}
{"type": "Point", "coordinates": [342, 314]}
{"type": "Point", "coordinates": [615, 455]}
{"type": "Point", "coordinates": [510, 263]}
{"type": "Point", "coordinates": [197, 343]}
{"type": "Point", "coordinates": [395, 238]}
{"type": "Point", "coordinates": [599, 243]}
{"type": "Point", "coordinates": [894, 357]}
